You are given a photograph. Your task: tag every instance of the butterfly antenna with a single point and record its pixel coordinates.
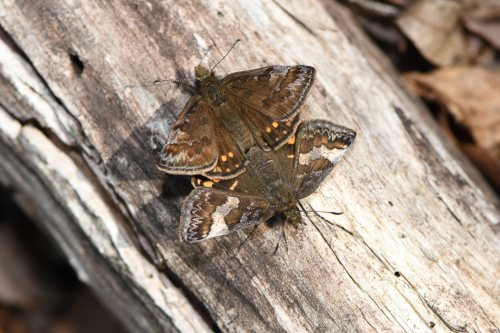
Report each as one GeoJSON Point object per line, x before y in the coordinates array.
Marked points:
{"type": "Point", "coordinates": [206, 53]}
{"type": "Point", "coordinates": [173, 80]}
{"type": "Point", "coordinates": [138, 86]}
{"type": "Point", "coordinates": [236, 42]}
{"type": "Point", "coordinates": [320, 211]}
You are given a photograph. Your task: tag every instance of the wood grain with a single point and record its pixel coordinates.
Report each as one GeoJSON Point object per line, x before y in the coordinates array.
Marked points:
{"type": "Point", "coordinates": [417, 248]}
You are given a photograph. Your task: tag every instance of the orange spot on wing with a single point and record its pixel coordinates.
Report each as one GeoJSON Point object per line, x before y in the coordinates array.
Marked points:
{"type": "Point", "coordinates": [292, 141]}
{"type": "Point", "coordinates": [275, 124]}
{"type": "Point", "coordinates": [234, 185]}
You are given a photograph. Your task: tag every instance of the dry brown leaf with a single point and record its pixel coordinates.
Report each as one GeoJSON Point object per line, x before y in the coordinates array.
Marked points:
{"type": "Point", "coordinates": [434, 27]}
{"type": "Point", "coordinates": [471, 95]}
{"type": "Point", "coordinates": [484, 21]}
{"type": "Point", "coordinates": [479, 52]}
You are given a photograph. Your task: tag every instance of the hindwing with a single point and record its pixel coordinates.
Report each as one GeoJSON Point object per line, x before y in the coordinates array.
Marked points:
{"type": "Point", "coordinates": [208, 213]}
{"type": "Point", "coordinates": [319, 147]}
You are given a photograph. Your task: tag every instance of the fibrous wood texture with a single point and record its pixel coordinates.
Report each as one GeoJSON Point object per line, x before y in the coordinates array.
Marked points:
{"type": "Point", "coordinates": [417, 248]}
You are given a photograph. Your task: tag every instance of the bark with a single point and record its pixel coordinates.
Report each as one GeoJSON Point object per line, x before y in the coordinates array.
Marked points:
{"type": "Point", "coordinates": [417, 248]}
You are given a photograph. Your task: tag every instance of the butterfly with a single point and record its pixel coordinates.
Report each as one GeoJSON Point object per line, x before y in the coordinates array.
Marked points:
{"type": "Point", "coordinates": [273, 183]}
{"type": "Point", "coordinates": [259, 107]}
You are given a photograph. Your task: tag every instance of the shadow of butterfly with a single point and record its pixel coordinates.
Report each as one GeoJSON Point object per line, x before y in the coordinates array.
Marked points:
{"type": "Point", "coordinates": [259, 107]}
{"type": "Point", "coordinates": [273, 183]}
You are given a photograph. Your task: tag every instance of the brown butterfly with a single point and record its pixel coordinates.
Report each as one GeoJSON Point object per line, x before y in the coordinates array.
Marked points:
{"type": "Point", "coordinates": [274, 183]}
{"type": "Point", "coordinates": [259, 107]}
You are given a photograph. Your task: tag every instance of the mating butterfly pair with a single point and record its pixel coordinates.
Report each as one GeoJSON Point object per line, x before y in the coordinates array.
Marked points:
{"type": "Point", "coordinates": [241, 134]}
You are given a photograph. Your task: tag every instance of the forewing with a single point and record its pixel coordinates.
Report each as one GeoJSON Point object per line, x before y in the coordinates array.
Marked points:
{"type": "Point", "coordinates": [208, 213]}
{"type": "Point", "coordinates": [275, 91]}
{"type": "Point", "coordinates": [191, 146]}
{"type": "Point", "coordinates": [230, 161]}
{"type": "Point", "coordinates": [319, 147]}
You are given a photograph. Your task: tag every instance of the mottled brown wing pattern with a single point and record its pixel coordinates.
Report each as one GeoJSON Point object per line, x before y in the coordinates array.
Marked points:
{"type": "Point", "coordinates": [208, 213]}
{"type": "Point", "coordinates": [246, 183]}
{"type": "Point", "coordinates": [191, 145]}
{"type": "Point", "coordinates": [262, 171]}
{"type": "Point", "coordinates": [269, 133]}
{"type": "Point", "coordinates": [286, 158]}
{"type": "Point", "coordinates": [276, 91]}
{"type": "Point", "coordinates": [230, 161]}
{"type": "Point", "coordinates": [319, 147]}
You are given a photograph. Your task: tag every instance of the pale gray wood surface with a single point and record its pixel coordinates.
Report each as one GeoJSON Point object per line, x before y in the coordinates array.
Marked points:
{"type": "Point", "coordinates": [417, 248]}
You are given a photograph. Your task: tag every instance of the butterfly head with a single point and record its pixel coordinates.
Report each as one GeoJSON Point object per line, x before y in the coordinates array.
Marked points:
{"type": "Point", "coordinates": [285, 201]}
{"type": "Point", "coordinates": [292, 216]}
{"type": "Point", "coordinates": [202, 73]}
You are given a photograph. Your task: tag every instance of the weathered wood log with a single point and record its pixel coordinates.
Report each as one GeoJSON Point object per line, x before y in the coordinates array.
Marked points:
{"type": "Point", "coordinates": [417, 248]}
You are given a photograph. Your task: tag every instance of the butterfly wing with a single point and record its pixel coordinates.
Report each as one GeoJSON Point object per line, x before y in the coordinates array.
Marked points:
{"type": "Point", "coordinates": [269, 100]}
{"type": "Point", "coordinates": [261, 171]}
{"type": "Point", "coordinates": [319, 147]}
{"type": "Point", "coordinates": [269, 133]}
{"type": "Point", "coordinates": [208, 213]}
{"type": "Point", "coordinates": [191, 146]}
{"type": "Point", "coordinates": [275, 91]}
{"type": "Point", "coordinates": [230, 161]}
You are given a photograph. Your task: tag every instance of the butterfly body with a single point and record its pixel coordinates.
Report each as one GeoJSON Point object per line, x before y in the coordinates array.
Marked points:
{"type": "Point", "coordinates": [273, 183]}
{"type": "Point", "coordinates": [246, 109]}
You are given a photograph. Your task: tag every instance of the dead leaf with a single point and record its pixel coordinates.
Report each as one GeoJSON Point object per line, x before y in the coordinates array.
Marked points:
{"type": "Point", "coordinates": [434, 27]}
{"type": "Point", "coordinates": [484, 21]}
{"type": "Point", "coordinates": [471, 95]}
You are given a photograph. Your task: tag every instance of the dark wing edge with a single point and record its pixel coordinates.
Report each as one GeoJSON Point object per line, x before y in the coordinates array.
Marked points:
{"type": "Point", "coordinates": [320, 146]}
{"type": "Point", "coordinates": [208, 213]}
{"type": "Point", "coordinates": [191, 146]}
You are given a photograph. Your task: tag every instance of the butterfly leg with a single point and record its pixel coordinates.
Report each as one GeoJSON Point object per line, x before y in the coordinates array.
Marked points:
{"type": "Point", "coordinates": [282, 235]}
{"type": "Point", "coordinates": [242, 243]}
